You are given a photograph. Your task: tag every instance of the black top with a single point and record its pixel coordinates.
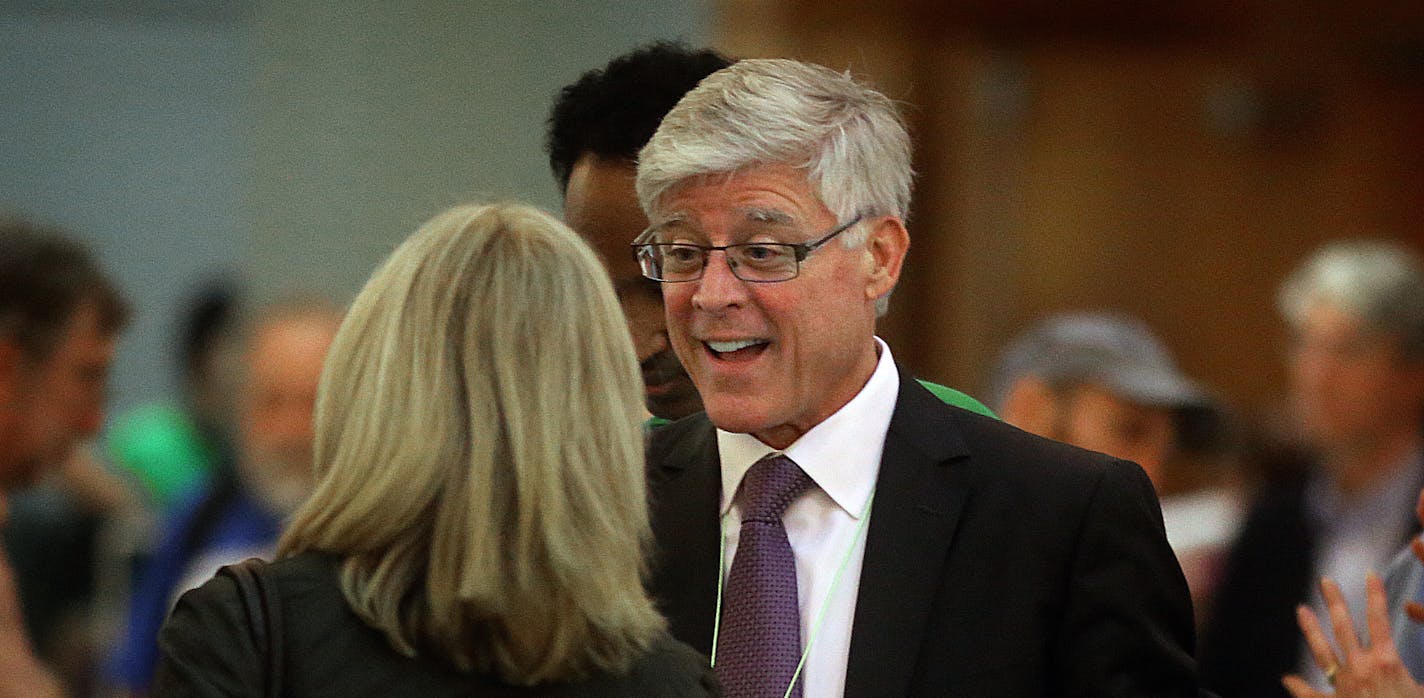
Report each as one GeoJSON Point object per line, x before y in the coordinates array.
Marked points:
{"type": "Point", "coordinates": [208, 650]}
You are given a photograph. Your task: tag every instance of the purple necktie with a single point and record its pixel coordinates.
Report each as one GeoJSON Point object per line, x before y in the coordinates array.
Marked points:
{"type": "Point", "coordinates": [759, 643]}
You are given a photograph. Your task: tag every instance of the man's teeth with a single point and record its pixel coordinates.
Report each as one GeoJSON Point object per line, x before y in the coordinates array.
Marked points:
{"type": "Point", "coordinates": [724, 347]}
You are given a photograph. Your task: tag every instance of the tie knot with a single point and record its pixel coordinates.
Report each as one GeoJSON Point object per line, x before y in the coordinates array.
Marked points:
{"type": "Point", "coordinates": [770, 486]}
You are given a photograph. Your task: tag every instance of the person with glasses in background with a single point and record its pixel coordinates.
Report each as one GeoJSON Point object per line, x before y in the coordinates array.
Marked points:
{"type": "Point", "coordinates": [829, 526]}
{"type": "Point", "coordinates": [1355, 311]}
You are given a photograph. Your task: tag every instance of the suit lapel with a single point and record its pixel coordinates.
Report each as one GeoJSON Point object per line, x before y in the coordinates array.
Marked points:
{"type": "Point", "coordinates": [919, 494]}
{"type": "Point", "coordinates": [686, 492]}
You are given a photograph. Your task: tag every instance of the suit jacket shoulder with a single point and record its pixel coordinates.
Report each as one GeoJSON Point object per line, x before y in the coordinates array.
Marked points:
{"type": "Point", "coordinates": [1001, 563]}
{"type": "Point", "coordinates": [997, 563]}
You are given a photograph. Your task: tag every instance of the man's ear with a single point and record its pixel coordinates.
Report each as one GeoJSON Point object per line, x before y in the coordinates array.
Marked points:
{"type": "Point", "coordinates": [885, 247]}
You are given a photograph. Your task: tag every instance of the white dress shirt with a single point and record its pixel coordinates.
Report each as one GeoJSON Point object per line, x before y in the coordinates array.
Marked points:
{"type": "Point", "coordinates": [842, 456]}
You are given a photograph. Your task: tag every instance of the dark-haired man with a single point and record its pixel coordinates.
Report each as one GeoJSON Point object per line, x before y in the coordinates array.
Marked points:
{"type": "Point", "coordinates": [59, 320]}
{"type": "Point", "coordinates": [596, 128]}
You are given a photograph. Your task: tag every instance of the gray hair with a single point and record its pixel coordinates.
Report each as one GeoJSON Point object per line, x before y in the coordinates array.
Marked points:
{"type": "Point", "coordinates": [849, 139]}
{"type": "Point", "coordinates": [1380, 283]}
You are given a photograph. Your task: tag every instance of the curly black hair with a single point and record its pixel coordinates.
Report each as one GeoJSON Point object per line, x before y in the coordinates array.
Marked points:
{"type": "Point", "coordinates": [613, 111]}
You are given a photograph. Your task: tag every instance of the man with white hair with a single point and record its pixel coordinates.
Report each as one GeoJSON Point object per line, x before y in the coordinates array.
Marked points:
{"type": "Point", "coordinates": [241, 513]}
{"type": "Point", "coordinates": [828, 526]}
{"type": "Point", "coordinates": [1356, 372]}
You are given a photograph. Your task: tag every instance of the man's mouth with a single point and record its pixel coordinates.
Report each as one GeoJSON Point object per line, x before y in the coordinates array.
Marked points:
{"type": "Point", "coordinates": [736, 349]}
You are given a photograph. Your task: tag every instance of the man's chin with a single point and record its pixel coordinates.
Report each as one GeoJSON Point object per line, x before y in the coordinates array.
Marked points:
{"type": "Point", "coordinates": [738, 419]}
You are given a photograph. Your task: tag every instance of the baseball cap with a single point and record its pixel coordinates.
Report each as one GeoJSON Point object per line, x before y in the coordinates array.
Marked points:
{"type": "Point", "coordinates": [1117, 352]}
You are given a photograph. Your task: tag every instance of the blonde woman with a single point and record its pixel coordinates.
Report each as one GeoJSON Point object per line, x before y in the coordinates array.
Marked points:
{"type": "Point", "coordinates": [479, 521]}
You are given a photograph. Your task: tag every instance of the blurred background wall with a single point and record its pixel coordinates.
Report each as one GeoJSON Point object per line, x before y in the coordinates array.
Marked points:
{"type": "Point", "coordinates": [1167, 161]}
{"type": "Point", "coordinates": [121, 122]}
{"type": "Point", "coordinates": [291, 144]}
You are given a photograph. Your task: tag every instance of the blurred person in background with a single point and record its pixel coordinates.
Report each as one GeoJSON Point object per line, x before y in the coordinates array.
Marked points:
{"type": "Point", "coordinates": [172, 448]}
{"type": "Point", "coordinates": [479, 522]}
{"type": "Point", "coordinates": [596, 127]}
{"type": "Point", "coordinates": [240, 514]}
{"type": "Point", "coordinates": [1105, 383]}
{"type": "Point", "coordinates": [1356, 369]}
{"type": "Point", "coordinates": [60, 318]}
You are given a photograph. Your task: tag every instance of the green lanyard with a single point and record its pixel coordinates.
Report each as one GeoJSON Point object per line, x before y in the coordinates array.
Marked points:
{"type": "Point", "coordinates": [825, 603]}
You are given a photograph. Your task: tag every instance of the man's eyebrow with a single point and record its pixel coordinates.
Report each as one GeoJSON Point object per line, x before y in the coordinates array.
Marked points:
{"type": "Point", "coordinates": [767, 215]}
{"type": "Point", "coordinates": [675, 218]}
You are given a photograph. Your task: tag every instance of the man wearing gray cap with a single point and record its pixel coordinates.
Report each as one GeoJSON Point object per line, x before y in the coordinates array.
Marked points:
{"type": "Point", "coordinates": [1100, 382]}
{"type": "Point", "coordinates": [1105, 383]}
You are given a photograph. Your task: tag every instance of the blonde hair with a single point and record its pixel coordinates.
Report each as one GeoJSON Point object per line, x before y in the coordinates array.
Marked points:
{"type": "Point", "coordinates": [479, 453]}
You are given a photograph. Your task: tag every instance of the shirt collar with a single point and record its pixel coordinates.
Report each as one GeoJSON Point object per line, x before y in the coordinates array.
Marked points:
{"type": "Point", "coordinates": [841, 454]}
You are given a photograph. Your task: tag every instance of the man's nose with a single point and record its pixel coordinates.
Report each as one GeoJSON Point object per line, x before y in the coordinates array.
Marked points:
{"type": "Point", "coordinates": [719, 287]}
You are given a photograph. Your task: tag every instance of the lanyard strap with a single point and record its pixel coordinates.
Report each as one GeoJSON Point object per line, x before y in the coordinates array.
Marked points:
{"type": "Point", "coordinates": [825, 603]}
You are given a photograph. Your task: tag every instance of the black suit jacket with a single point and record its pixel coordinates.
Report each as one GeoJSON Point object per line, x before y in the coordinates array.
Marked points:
{"type": "Point", "coordinates": [996, 563]}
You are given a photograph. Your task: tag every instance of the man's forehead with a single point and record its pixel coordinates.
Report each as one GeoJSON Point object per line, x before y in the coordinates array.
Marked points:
{"type": "Point", "coordinates": [762, 189]}
{"type": "Point", "coordinates": [601, 206]}
{"type": "Point", "coordinates": [85, 337]}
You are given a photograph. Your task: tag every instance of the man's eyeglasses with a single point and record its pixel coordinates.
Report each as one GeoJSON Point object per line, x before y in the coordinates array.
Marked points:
{"type": "Point", "coordinates": [758, 262]}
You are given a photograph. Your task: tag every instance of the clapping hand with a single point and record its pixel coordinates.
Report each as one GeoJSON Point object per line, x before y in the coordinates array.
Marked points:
{"type": "Point", "coordinates": [1361, 670]}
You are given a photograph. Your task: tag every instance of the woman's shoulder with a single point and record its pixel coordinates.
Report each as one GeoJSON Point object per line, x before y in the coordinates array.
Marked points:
{"type": "Point", "coordinates": [303, 579]}
{"type": "Point", "coordinates": [670, 668]}
{"type": "Point", "coordinates": [210, 645]}
{"type": "Point", "coordinates": [303, 571]}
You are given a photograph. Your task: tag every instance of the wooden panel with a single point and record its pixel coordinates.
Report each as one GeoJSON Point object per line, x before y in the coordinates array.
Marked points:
{"type": "Point", "coordinates": [1177, 179]}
